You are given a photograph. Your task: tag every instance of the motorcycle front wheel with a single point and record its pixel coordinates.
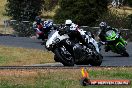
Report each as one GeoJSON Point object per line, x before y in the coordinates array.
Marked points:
{"type": "Point", "coordinates": [63, 58]}
{"type": "Point", "coordinates": [56, 58]}
{"type": "Point", "coordinates": [96, 60]}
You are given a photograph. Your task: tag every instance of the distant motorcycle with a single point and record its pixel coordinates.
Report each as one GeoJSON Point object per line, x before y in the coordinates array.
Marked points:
{"type": "Point", "coordinates": [42, 35]}
{"type": "Point", "coordinates": [115, 44]}
{"type": "Point", "coordinates": [70, 52]}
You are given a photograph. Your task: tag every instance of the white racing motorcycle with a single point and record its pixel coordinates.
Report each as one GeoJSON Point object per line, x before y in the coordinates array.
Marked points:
{"type": "Point", "coordinates": [70, 52]}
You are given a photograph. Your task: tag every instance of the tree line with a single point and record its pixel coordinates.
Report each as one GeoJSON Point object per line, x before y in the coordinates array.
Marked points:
{"type": "Point", "coordinates": [82, 12]}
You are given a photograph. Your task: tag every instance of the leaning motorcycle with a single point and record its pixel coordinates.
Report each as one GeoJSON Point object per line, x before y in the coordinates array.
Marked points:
{"type": "Point", "coordinates": [40, 35]}
{"type": "Point", "coordinates": [115, 43]}
{"type": "Point", "coordinates": [70, 52]}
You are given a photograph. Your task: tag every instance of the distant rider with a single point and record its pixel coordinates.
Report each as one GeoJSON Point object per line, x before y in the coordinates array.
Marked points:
{"type": "Point", "coordinates": [42, 28]}
{"type": "Point", "coordinates": [104, 28]}
{"type": "Point", "coordinates": [47, 27]}
{"type": "Point", "coordinates": [38, 27]}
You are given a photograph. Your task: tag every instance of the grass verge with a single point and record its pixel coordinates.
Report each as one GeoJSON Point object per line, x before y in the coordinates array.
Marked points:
{"type": "Point", "coordinates": [20, 56]}
{"type": "Point", "coordinates": [60, 78]}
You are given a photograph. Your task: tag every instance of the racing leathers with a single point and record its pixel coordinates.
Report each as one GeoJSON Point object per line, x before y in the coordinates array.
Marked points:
{"type": "Point", "coordinates": [75, 32]}
{"type": "Point", "coordinates": [42, 29]}
{"type": "Point", "coordinates": [102, 37]}
{"type": "Point", "coordinates": [38, 28]}
{"type": "Point", "coordinates": [103, 33]}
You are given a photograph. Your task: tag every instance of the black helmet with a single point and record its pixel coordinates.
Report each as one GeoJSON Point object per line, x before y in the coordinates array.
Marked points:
{"type": "Point", "coordinates": [38, 19]}
{"type": "Point", "coordinates": [103, 25]}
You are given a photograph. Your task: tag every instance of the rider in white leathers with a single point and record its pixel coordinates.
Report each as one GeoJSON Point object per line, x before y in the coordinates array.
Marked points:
{"type": "Point", "coordinates": [86, 36]}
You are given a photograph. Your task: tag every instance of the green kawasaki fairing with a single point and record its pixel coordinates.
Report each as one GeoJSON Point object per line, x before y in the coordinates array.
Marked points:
{"type": "Point", "coordinates": [117, 44]}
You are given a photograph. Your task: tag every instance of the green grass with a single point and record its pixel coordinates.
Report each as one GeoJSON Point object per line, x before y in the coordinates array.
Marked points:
{"type": "Point", "coordinates": [20, 56]}
{"type": "Point", "coordinates": [60, 78]}
{"type": "Point", "coordinates": [4, 59]}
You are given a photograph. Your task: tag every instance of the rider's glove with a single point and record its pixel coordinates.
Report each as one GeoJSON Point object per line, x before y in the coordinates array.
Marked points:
{"type": "Point", "coordinates": [62, 32]}
{"type": "Point", "coordinates": [102, 43]}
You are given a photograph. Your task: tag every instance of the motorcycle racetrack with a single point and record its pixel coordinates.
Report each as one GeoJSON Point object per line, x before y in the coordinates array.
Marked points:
{"type": "Point", "coordinates": [109, 58]}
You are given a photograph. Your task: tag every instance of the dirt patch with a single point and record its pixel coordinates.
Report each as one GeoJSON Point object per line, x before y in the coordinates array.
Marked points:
{"type": "Point", "coordinates": [17, 73]}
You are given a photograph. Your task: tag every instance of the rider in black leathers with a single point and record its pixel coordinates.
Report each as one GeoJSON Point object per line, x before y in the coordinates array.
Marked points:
{"type": "Point", "coordinates": [72, 30]}
{"type": "Point", "coordinates": [104, 28]}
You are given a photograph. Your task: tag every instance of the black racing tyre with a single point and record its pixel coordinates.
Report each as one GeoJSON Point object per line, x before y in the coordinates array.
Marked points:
{"type": "Point", "coordinates": [125, 54]}
{"type": "Point", "coordinates": [63, 59]}
{"type": "Point", "coordinates": [96, 60]}
{"type": "Point", "coordinates": [123, 51]}
{"type": "Point", "coordinates": [56, 58]}
{"type": "Point", "coordinates": [82, 63]}
{"type": "Point", "coordinates": [83, 60]}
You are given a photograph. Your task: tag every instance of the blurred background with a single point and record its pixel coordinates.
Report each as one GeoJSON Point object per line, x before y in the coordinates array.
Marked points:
{"type": "Point", "coordinates": [16, 17]}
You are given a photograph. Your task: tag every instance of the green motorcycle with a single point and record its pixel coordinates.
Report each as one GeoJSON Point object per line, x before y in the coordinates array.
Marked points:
{"type": "Point", "coordinates": [116, 43]}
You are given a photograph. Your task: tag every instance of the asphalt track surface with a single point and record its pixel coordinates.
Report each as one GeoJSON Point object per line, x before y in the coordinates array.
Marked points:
{"type": "Point", "coordinates": [110, 59]}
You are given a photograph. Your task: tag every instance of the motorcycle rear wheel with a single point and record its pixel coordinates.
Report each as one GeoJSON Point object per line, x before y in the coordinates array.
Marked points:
{"type": "Point", "coordinates": [123, 51]}
{"type": "Point", "coordinates": [125, 54]}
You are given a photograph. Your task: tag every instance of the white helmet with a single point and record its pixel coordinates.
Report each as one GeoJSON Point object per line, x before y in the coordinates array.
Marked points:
{"type": "Point", "coordinates": [68, 22]}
